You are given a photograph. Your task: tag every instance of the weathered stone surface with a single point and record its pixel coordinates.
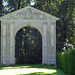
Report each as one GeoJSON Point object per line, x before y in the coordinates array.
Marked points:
{"type": "Point", "coordinates": [13, 22]}
{"type": "Point", "coordinates": [29, 13]}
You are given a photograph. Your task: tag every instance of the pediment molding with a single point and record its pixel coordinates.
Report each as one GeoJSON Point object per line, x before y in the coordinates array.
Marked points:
{"type": "Point", "coordinates": [29, 13]}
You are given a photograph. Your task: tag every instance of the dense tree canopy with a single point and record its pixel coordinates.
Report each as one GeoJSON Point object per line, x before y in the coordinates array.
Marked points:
{"type": "Point", "coordinates": [64, 9]}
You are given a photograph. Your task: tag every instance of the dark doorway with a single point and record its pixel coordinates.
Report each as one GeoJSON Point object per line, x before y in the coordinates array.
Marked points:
{"type": "Point", "coordinates": [28, 46]}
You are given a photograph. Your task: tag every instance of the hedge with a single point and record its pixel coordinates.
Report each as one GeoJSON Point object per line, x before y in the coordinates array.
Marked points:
{"type": "Point", "coordinates": [66, 61]}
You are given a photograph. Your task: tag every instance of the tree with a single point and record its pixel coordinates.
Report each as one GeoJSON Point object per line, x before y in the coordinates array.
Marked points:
{"type": "Point", "coordinates": [1, 8]}
{"type": "Point", "coordinates": [64, 9]}
{"type": "Point", "coordinates": [65, 26]}
{"type": "Point", "coordinates": [16, 4]}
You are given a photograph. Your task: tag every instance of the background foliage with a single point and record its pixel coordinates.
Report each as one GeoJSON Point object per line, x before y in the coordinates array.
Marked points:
{"type": "Point", "coordinates": [64, 9]}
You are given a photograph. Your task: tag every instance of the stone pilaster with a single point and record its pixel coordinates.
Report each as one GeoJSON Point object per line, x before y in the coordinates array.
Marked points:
{"type": "Point", "coordinates": [3, 41]}
{"type": "Point", "coordinates": [12, 45]}
{"type": "Point", "coordinates": [7, 44]}
{"type": "Point", "coordinates": [53, 43]}
{"type": "Point", "coordinates": [44, 38]}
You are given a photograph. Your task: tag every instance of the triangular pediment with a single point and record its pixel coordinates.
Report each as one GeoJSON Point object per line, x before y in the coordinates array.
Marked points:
{"type": "Point", "coordinates": [29, 13]}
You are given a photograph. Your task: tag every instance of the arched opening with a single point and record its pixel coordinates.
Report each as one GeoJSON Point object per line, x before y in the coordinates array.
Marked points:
{"type": "Point", "coordinates": [28, 46]}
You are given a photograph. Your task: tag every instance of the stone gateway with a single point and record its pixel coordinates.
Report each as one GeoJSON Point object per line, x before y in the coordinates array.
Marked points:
{"type": "Point", "coordinates": [13, 22]}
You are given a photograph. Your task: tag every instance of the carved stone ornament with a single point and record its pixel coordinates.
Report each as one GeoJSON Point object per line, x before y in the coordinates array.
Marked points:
{"type": "Point", "coordinates": [29, 13]}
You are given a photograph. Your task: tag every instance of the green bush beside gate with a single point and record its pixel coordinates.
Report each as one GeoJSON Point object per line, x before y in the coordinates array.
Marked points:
{"type": "Point", "coordinates": [66, 61]}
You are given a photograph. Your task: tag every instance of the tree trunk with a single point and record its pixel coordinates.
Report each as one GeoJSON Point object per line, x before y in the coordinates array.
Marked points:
{"type": "Point", "coordinates": [65, 23]}
{"type": "Point", "coordinates": [1, 7]}
{"type": "Point", "coordinates": [19, 4]}
{"type": "Point", "coordinates": [49, 2]}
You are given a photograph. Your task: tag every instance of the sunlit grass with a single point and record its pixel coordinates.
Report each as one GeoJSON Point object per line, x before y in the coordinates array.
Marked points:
{"type": "Point", "coordinates": [30, 70]}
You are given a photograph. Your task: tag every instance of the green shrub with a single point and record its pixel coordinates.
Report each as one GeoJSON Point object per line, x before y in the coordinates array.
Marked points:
{"type": "Point", "coordinates": [73, 62]}
{"type": "Point", "coordinates": [66, 61]}
{"type": "Point", "coordinates": [69, 63]}
{"type": "Point", "coordinates": [59, 60]}
{"type": "Point", "coordinates": [62, 62]}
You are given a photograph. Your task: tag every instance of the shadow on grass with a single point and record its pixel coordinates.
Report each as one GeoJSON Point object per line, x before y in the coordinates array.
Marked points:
{"type": "Point", "coordinates": [41, 73]}
{"type": "Point", "coordinates": [36, 73]}
{"type": "Point", "coordinates": [58, 71]}
{"type": "Point", "coordinates": [37, 66]}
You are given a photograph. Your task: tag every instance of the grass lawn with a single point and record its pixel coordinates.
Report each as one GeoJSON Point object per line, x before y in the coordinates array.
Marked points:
{"type": "Point", "coordinates": [30, 70]}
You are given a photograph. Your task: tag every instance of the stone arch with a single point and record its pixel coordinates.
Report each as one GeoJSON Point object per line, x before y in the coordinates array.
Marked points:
{"type": "Point", "coordinates": [36, 24]}
{"type": "Point", "coordinates": [37, 28]}
{"type": "Point", "coordinates": [32, 27]}
{"type": "Point", "coordinates": [9, 30]}
{"type": "Point", "coordinates": [42, 21]}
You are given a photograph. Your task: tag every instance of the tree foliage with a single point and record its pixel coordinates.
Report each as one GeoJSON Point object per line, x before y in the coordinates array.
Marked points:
{"type": "Point", "coordinates": [1, 8]}
{"type": "Point", "coordinates": [64, 9]}
{"type": "Point", "coordinates": [16, 4]}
